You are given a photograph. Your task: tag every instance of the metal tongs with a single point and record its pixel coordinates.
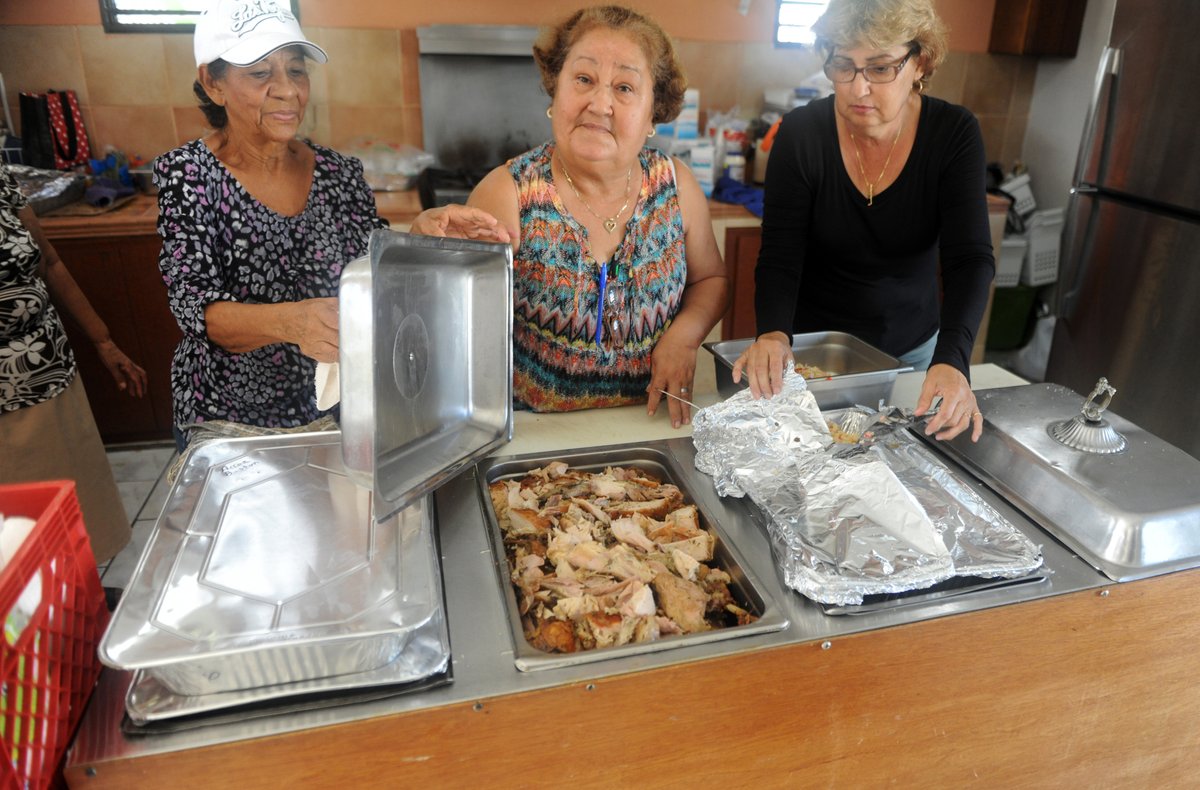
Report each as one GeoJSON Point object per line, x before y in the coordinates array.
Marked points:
{"type": "Point", "coordinates": [871, 427]}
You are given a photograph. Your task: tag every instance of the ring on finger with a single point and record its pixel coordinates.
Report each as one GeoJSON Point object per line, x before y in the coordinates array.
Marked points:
{"type": "Point", "coordinates": [684, 390]}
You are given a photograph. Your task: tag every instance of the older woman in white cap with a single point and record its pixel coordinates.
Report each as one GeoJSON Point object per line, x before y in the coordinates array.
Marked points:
{"type": "Point", "coordinates": [256, 226]}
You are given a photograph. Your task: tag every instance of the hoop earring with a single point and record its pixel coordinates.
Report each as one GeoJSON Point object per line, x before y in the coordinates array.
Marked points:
{"type": "Point", "coordinates": [920, 85]}
{"type": "Point", "coordinates": [549, 114]}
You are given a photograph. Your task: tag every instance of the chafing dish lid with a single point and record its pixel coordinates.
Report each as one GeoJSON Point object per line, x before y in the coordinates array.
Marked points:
{"type": "Point", "coordinates": [1131, 514]}
{"type": "Point", "coordinates": [425, 362]}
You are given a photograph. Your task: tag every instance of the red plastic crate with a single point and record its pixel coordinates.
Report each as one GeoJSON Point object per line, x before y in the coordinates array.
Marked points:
{"type": "Point", "coordinates": [48, 665]}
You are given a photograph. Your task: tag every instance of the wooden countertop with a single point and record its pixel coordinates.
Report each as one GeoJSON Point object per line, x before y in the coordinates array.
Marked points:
{"type": "Point", "coordinates": [138, 216]}
{"type": "Point", "coordinates": [1093, 688]}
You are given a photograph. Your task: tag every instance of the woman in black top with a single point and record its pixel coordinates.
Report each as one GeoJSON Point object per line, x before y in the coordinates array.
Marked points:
{"type": "Point", "coordinates": [866, 192]}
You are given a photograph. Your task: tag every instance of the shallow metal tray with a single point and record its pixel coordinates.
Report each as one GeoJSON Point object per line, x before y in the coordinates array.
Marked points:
{"type": "Point", "coordinates": [266, 566]}
{"type": "Point", "coordinates": [425, 362]}
{"type": "Point", "coordinates": [862, 373]}
{"type": "Point", "coordinates": [426, 653]}
{"type": "Point", "coordinates": [1130, 514]}
{"type": "Point", "coordinates": [655, 458]}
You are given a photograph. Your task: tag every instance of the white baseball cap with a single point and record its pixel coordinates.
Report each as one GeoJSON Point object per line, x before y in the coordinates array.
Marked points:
{"type": "Point", "coordinates": [242, 32]}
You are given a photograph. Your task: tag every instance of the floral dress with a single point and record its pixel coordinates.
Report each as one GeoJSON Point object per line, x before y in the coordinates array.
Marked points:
{"type": "Point", "coordinates": [36, 362]}
{"type": "Point", "coordinates": [222, 245]}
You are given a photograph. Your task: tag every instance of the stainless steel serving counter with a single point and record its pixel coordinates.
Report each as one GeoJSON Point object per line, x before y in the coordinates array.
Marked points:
{"type": "Point", "coordinates": [483, 665]}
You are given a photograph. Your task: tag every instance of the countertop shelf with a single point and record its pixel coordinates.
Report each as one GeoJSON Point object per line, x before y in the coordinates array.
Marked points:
{"type": "Point", "coordinates": [138, 217]}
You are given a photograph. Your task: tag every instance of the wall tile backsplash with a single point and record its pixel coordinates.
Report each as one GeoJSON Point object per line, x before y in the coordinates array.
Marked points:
{"type": "Point", "coordinates": [136, 89]}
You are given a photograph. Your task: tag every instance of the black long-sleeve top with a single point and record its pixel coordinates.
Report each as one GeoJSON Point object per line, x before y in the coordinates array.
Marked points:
{"type": "Point", "coordinates": [830, 262]}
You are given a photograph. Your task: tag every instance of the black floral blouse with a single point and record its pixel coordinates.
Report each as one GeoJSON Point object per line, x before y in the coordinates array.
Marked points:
{"type": "Point", "coordinates": [35, 359]}
{"type": "Point", "coordinates": [222, 245]}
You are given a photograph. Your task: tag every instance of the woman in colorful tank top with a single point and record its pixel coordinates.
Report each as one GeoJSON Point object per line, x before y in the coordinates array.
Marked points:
{"type": "Point", "coordinates": [617, 276]}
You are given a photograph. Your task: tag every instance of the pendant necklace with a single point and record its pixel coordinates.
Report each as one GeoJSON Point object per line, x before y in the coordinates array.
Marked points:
{"type": "Point", "coordinates": [610, 223]}
{"type": "Point", "coordinates": [861, 171]}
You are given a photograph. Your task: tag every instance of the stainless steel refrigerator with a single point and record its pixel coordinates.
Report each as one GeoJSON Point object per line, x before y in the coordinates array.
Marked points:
{"type": "Point", "coordinates": [1128, 301]}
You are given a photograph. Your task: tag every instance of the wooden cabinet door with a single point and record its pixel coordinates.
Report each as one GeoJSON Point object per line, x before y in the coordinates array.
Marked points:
{"type": "Point", "coordinates": [741, 256]}
{"type": "Point", "coordinates": [1037, 27]}
{"type": "Point", "coordinates": [120, 278]}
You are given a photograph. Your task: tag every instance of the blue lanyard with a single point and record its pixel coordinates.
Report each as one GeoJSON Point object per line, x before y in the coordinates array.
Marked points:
{"type": "Point", "coordinates": [600, 302]}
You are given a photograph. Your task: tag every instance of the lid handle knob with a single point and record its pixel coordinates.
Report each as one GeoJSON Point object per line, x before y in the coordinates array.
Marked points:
{"type": "Point", "coordinates": [1088, 431]}
{"type": "Point", "coordinates": [1093, 407]}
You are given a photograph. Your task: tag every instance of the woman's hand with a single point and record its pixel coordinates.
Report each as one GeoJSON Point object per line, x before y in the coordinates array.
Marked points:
{"type": "Point", "coordinates": [672, 368]}
{"type": "Point", "coordinates": [312, 324]}
{"type": "Point", "coordinates": [958, 409]}
{"type": "Point", "coordinates": [461, 222]}
{"type": "Point", "coordinates": [763, 364]}
{"type": "Point", "coordinates": [128, 374]}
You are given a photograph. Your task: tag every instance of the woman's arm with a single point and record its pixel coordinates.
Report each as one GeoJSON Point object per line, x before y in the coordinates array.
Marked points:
{"type": "Point", "coordinates": [311, 324]}
{"type": "Point", "coordinates": [968, 266]}
{"type": "Point", "coordinates": [705, 299]}
{"type": "Point", "coordinates": [71, 300]}
{"type": "Point", "coordinates": [787, 206]}
{"type": "Point", "coordinates": [491, 213]}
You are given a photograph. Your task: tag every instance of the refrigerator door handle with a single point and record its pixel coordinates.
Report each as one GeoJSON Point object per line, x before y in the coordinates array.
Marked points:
{"type": "Point", "coordinates": [1110, 67]}
{"type": "Point", "coordinates": [1073, 257]}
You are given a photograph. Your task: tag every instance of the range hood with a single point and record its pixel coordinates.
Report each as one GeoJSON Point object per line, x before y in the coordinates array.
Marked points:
{"type": "Point", "coordinates": [481, 94]}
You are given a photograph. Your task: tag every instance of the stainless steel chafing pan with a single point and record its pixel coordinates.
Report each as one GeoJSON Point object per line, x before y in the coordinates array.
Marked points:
{"type": "Point", "coordinates": [655, 458]}
{"type": "Point", "coordinates": [859, 372]}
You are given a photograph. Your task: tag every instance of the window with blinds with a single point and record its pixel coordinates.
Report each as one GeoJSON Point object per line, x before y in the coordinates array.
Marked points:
{"type": "Point", "coordinates": [156, 16]}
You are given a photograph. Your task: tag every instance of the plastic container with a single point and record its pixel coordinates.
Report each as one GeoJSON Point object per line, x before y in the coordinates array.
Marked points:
{"type": "Point", "coordinates": [1010, 323]}
{"type": "Point", "coordinates": [1018, 187]}
{"type": "Point", "coordinates": [53, 611]}
{"type": "Point", "coordinates": [1044, 236]}
{"type": "Point", "coordinates": [1010, 260]}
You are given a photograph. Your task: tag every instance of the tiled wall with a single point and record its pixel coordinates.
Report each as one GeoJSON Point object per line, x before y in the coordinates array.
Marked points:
{"type": "Point", "coordinates": [136, 89]}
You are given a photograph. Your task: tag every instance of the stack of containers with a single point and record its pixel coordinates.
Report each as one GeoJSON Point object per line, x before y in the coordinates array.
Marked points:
{"type": "Point", "coordinates": [1023, 262]}
{"type": "Point", "coordinates": [1043, 234]}
{"type": "Point", "coordinates": [681, 138]}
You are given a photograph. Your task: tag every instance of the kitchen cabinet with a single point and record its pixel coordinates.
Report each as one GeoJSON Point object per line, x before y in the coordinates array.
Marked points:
{"type": "Point", "coordinates": [741, 255]}
{"type": "Point", "coordinates": [1037, 27]}
{"type": "Point", "coordinates": [120, 277]}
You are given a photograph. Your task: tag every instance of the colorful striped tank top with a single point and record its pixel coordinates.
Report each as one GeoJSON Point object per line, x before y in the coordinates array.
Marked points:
{"type": "Point", "coordinates": [557, 363]}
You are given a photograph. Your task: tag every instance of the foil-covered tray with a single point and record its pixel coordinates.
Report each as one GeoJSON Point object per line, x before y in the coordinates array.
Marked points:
{"type": "Point", "coordinates": [858, 372]}
{"type": "Point", "coordinates": [268, 567]}
{"type": "Point", "coordinates": [886, 517]}
{"type": "Point", "coordinates": [657, 460]}
{"type": "Point", "coordinates": [425, 361]}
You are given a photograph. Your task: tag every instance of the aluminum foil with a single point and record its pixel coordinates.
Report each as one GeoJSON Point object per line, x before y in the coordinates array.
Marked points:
{"type": "Point", "coordinates": [886, 518]}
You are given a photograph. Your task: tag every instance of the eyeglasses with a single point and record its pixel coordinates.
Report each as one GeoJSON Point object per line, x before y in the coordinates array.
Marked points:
{"type": "Point", "coordinates": [844, 70]}
{"type": "Point", "coordinates": [612, 323]}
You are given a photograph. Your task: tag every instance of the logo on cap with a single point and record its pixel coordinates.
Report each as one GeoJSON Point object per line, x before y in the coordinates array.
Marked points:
{"type": "Point", "coordinates": [248, 15]}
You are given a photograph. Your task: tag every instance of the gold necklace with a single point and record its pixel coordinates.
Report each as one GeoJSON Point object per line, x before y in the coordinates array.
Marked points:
{"type": "Point", "coordinates": [610, 224]}
{"type": "Point", "coordinates": [861, 172]}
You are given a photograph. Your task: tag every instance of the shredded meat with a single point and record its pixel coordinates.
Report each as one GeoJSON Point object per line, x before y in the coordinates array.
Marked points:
{"type": "Point", "coordinates": [608, 558]}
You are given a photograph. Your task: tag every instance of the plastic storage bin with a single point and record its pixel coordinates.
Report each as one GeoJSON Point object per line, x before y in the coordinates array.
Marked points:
{"type": "Point", "coordinates": [1010, 324]}
{"type": "Point", "coordinates": [1009, 261]}
{"type": "Point", "coordinates": [1044, 235]}
{"type": "Point", "coordinates": [53, 610]}
{"type": "Point", "coordinates": [1018, 187]}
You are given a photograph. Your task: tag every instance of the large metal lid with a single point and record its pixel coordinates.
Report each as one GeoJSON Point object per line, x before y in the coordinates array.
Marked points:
{"type": "Point", "coordinates": [425, 362]}
{"type": "Point", "coordinates": [1131, 513]}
